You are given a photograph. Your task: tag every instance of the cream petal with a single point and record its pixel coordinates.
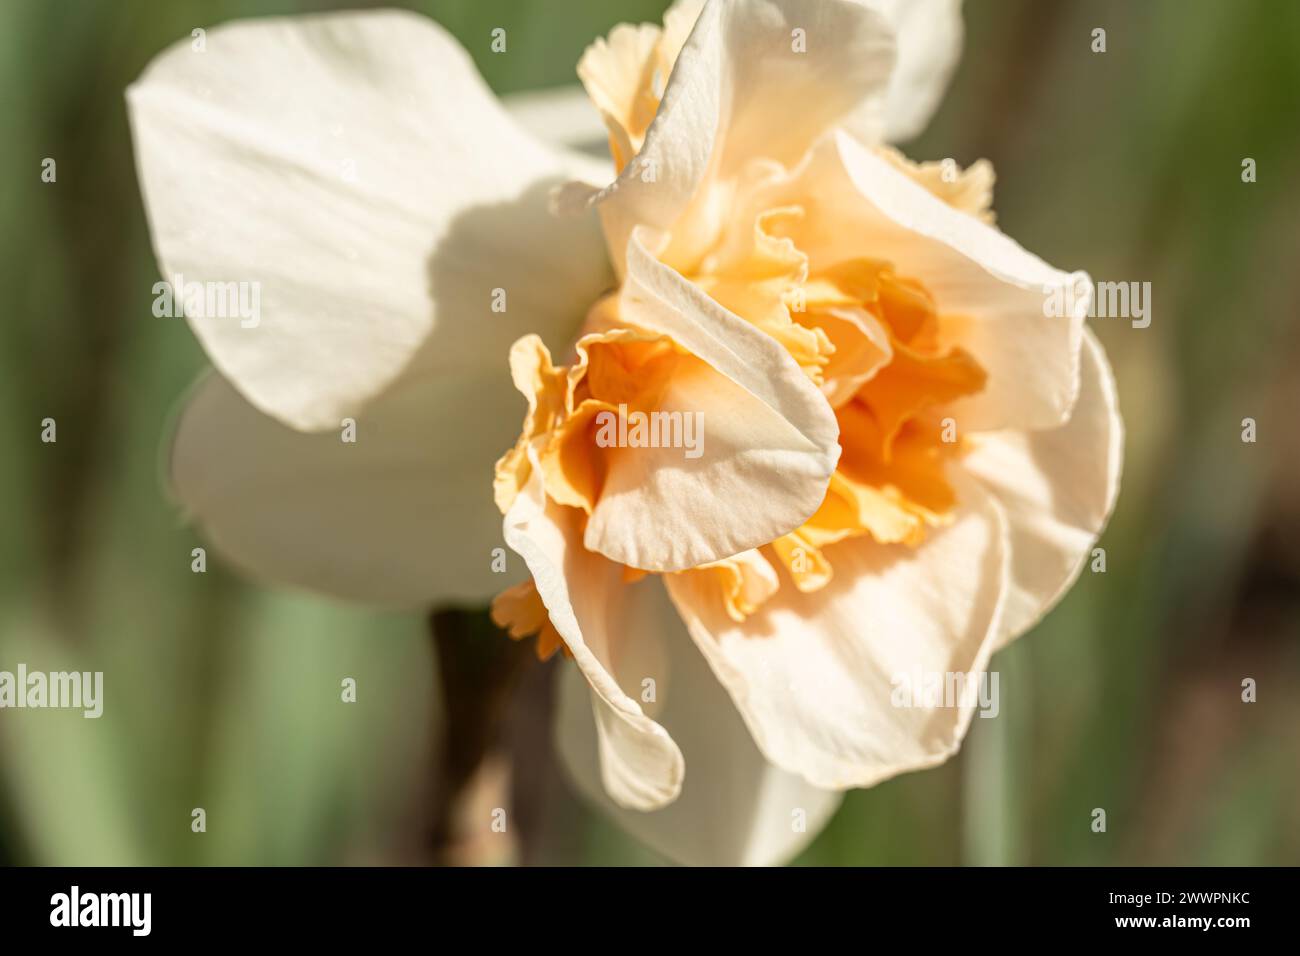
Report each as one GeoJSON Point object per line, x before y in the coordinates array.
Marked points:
{"type": "Point", "coordinates": [398, 518]}
{"type": "Point", "coordinates": [740, 91]}
{"type": "Point", "coordinates": [615, 637]}
{"type": "Point", "coordinates": [814, 674]}
{"type": "Point", "coordinates": [618, 74]}
{"type": "Point", "coordinates": [969, 189]}
{"type": "Point", "coordinates": [1057, 488]}
{"type": "Point", "coordinates": [991, 294]}
{"type": "Point", "coordinates": [770, 440]}
{"type": "Point", "coordinates": [735, 808]}
{"type": "Point", "coordinates": [357, 168]}
{"type": "Point", "coordinates": [928, 35]}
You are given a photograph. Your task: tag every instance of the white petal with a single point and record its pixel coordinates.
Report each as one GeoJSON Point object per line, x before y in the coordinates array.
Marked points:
{"type": "Point", "coordinates": [1058, 488]}
{"type": "Point", "coordinates": [770, 442]}
{"type": "Point", "coordinates": [741, 91]}
{"type": "Point", "coordinates": [735, 808]}
{"type": "Point", "coordinates": [813, 674]}
{"type": "Point", "coordinates": [929, 40]}
{"type": "Point", "coordinates": [358, 169]}
{"type": "Point", "coordinates": [403, 516]}
{"type": "Point", "coordinates": [991, 294]}
{"type": "Point", "coordinates": [615, 638]}
{"type": "Point", "coordinates": [562, 116]}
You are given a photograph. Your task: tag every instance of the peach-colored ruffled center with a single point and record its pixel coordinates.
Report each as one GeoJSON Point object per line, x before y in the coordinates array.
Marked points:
{"type": "Point", "coordinates": [867, 336]}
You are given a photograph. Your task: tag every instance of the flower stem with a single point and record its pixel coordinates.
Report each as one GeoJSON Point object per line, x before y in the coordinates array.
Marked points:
{"type": "Point", "coordinates": [993, 771]}
{"type": "Point", "coordinates": [479, 668]}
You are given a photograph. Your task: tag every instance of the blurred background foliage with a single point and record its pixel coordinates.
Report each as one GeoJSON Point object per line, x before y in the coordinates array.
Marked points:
{"type": "Point", "coordinates": [225, 695]}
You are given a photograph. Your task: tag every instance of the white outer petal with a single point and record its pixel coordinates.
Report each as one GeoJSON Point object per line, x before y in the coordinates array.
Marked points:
{"type": "Point", "coordinates": [562, 116]}
{"type": "Point", "coordinates": [929, 41]}
{"type": "Point", "coordinates": [357, 168]}
{"type": "Point", "coordinates": [394, 519]}
{"type": "Point", "coordinates": [735, 808]}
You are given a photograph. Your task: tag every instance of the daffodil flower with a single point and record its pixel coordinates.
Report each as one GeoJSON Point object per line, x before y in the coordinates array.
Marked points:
{"type": "Point", "coordinates": [903, 463]}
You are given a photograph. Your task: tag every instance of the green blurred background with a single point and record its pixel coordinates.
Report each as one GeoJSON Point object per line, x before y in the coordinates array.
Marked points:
{"type": "Point", "coordinates": [223, 694]}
